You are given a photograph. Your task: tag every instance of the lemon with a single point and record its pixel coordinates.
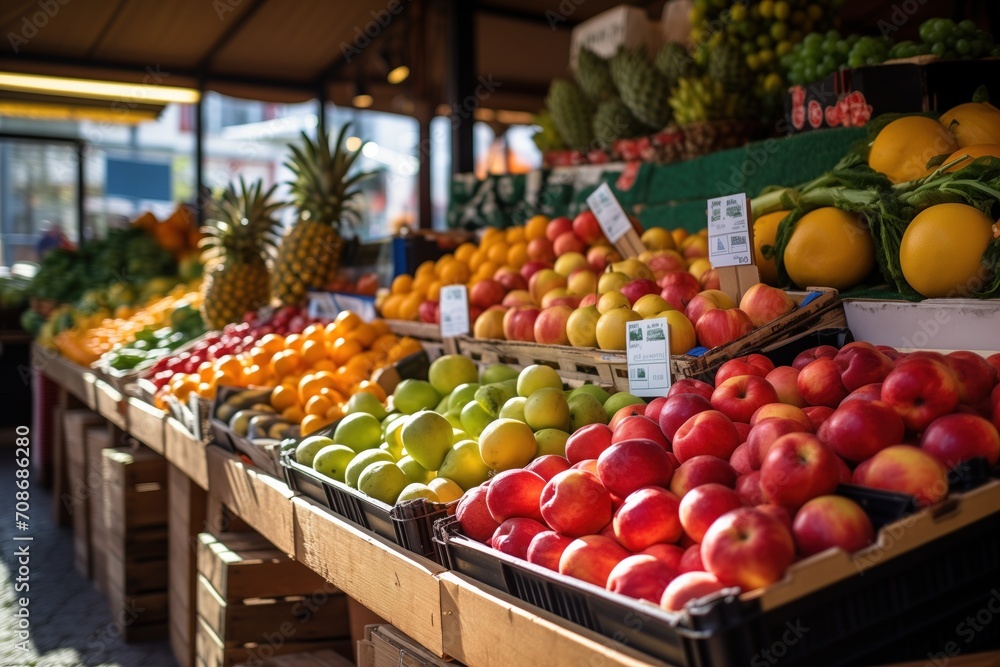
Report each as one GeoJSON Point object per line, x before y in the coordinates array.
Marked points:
{"type": "Point", "coordinates": [445, 489]}
{"type": "Point", "coordinates": [829, 248]}
{"type": "Point", "coordinates": [361, 461]}
{"type": "Point", "coordinates": [507, 444]}
{"type": "Point", "coordinates": [942, 250]}
{"type": "Point", "coordinates": [535, 377]}
{"type": "Point", "coordinates": [383, 481]}
{"type": "Point", "coordinates": [764, 230]}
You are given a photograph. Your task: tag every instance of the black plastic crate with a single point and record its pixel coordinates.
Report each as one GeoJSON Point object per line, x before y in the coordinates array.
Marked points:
{"type": "Point", "coordinates": [896, 601]}
{"type": "Point", "coordinates": [409, 524]}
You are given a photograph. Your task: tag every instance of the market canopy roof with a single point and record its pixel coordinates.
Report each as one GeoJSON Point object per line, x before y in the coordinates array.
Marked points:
{"type": "Point", "coordinates": [277, 50]}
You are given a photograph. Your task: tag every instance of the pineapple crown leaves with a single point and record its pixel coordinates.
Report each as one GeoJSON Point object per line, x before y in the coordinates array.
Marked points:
{"type": "Point", "coordinates": [242, 224]}
{"type": "Point", "coordinates": [322, 189]}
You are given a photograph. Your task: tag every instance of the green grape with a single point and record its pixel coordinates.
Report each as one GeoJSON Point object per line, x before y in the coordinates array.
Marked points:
{"type": "Point", "coordinates": [779, 31]}
{"type": "Point", "coordinates": [963, 47]}
{"type": "Point", "coordinates": [939, 49]}
{"type": "Point", "coordinates": [967, 26]}
{"type": "Point", "coordinates": [764, 41]}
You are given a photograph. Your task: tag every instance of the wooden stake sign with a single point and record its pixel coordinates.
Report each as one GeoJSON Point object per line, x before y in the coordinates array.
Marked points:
{"type": "Point", "coordinates": [614, 222]}
{"type": "Point", "coordinates": [730, 244]}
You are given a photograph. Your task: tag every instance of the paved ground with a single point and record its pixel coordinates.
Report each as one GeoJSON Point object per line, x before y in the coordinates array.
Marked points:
{"type": "Point", "coordinates": [70, 622]}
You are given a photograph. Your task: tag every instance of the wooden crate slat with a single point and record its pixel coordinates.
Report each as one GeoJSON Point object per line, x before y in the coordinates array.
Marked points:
{"type": "Point", "coordinates": [146, 423]}
{"type": "Point", "coordinates": [211, 650]}
{"type": "Point", "coordinates": [187, 519]}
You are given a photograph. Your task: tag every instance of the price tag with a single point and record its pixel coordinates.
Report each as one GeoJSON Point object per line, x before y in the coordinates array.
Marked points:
{"type": "Point", "coordinates": [454, 311]}
{"type": "Point", "coordinates": [729, 240]}
{"type": "Point", "coordinates": [610, 215]}
{"type": "Point", "coordinates": [648, 352]}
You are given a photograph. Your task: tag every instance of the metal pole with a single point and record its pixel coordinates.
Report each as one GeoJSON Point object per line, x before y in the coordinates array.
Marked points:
{"type": "Point", "coordinates": [199, 155]}
{"type": "Point", "coordinates": [81, 192]}
{"type": "Point", "coordinates": [461, 82]}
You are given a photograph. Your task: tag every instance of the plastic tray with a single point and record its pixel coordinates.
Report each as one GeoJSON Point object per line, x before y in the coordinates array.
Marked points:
{"type": "Point", "coordinates": [409, 525]}
{"type": "Point", "coordinates": [900, 599]}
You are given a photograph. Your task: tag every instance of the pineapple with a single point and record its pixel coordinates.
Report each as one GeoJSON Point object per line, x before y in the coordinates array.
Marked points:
{"type": "Point", "coordinates": [572, 113]}
{"type": "Point", "coordinates": [613, 121]}
{"type": "Point", "coordinates": [728, 66]}
{"type": "Point", "coordinates": [324, 194]}
{"type": "Point", "coordinates": [239, 240]}
{"type": "Point", "coordinates": [675, 63]}
{"type": "Point", "coordinates": [592, 75]}
{"type": "Point", "coordinates": [642, 87]}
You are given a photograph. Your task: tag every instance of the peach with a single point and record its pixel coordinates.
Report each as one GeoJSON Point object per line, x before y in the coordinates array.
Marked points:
{"type": "Point", "coordinates": [682, 277]}
{"type": "Point", "coordinates": [905, 469]}
{"type": "Point", "coordinates": [568, 243]}
{"type": "Point", "coordinates": [700, 470]}
{"type": "Point", "coordinates": [550, 325]}
{"type": "Point", "coordinates": [819, 383]}
{"type": "Point", "coordinates": [763, 304]}
{"type": "Point", "coordinates": [691, 585]}
{"type": "Point", "coordinates": [711, 279]}
{"type": "Point", "coordinates": [515, 493]}
{"type": "Point", "coordinates": [633, 464]}
{"type": "Point", "coordinates": [708, 432]}
{"type": "Point", "coordinates": [869, 392]}
{"type": "Point", "coordinates": [641, 577]}
{"type": "Point", "coordinates": [703, 505]}
{"type": "Point", "coordinates": [546, 548]}
{"type": "Point", "coordinates": [591, 559]}
{"type": "Point", "coordinates": [647, 517]}
{"type": "Point", "coordinates": [588, 442]}
{"type": "Point", "coordinates": [586, 227]}
{"type": "Point", "coordinates": [624, 412]}
{"type": "Point", "coordinates": [474, 515]}
{"type": "Point", "coordinates": [976, 377]}
{"type": "Point", "coordinates": [575, 503]}
{"type": "Point", "coordinates": [784, 379]}
{"type": "Point", "coordinates": [514, 536]}
{"type": "Point", "coordinates": [554, 296]}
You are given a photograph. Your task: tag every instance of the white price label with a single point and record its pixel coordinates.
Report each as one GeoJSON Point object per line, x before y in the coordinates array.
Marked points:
{"type": "Point", "coordinates": [610, 215]}
{"type": "Point", "coordinates": [729, 240]}
{"type": "Point", "coordinates": [454, 311]}
{"type": "Point", "coordinates": [648, 352]}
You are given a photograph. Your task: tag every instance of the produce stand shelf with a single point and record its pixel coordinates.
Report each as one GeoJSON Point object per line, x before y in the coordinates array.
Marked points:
{"type": "Point", "coordinates": [75, 380]}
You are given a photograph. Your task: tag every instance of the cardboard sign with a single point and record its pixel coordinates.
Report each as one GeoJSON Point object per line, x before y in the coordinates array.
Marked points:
{"type": "Point", "coordinates": [648, 352]}
{"type": "Point", "coordinates": [610, 215]}
{"type": "Point", "coordinates": [729, 235]}
{"type": "Point", "coordinates": [454, 311]}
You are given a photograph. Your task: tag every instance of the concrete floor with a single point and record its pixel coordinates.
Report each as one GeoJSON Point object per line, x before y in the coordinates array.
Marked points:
{"type": "Point", "coordinates": [70, 622]}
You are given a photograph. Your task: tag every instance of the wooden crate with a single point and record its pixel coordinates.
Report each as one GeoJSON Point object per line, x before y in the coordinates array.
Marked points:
{"type": "Point", "coordinates": [576, 365]}
{"type": "Point", "coordinates": [251, 597]}
{"type": "Point", "coordinates": [70, 474]}
{"type": "Point", "coordinates": [428, 334]}
{"type": "Point", "coordinates": [135, 521]}
{"type": "Point", "coordinates": [387, 646]}
{"type": "Point", "coordinates": [186, 518]}
{"type": "Point", "coordinates": [146, 424]}
{"type": "Point", "coordinates": [110, 403]}
{"type": "Point", "coordinates": [324, 658]}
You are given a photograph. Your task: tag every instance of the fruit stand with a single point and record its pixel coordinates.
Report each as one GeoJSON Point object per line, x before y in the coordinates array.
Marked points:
{"type": "Point", "coordinates": [717, 384]}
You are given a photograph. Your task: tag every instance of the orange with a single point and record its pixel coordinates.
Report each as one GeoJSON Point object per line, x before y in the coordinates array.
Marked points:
{"type": "Point", "coordinates": [334, 413]}
{"type": "Point", "coordinates": [401, 284]}
{"type": "Point", "coordinates": [228, 364]}
{"type": "Point", "coordinates": [421, 285]}
{"type": "Point", "coordinates": [497, 252]}
{"type": "Point", "coordinates": [384, 343]}
{"type": "Point", "coordinates": [348, 319]}
{"type": "Point", "coordinates": [283, 397]}
{"type": "Point", "coordinates": [225, 379]}
{"type": "Point", "coordinates": [445, 259]}
{"type": "Point", "coordinates": [285, 363]}
{"type": "Point", "coordinates": [517, 256]}
{"type": "Point", "coordinates": [324, 364]}
{"type": "Point", "coordinates": [343, 349]}
{"type": "Point", "coordinates": [679, 235]}
{"type": "Point", "coordinates": [360, 366]}
{"type": "Point", "coordinates": [434, 291]}
{"type": "Point", "coordinates": [491, 234]}
{"type": "Point", "coordinates": [314, 332]}
{"type": "Point", "coordinates": [453, 273]}
{"type": "Point", "coordinates": [313, 423]}
{"type": "Point", "coordinates": [514, 235]}
{"type": "Point", "coordinates": [272, 343]}
{"type": "Point", "coordinates": [486, 270]}
{"type": "Point", "coordinates": [373, 388]}
{"type": "Point", "coordinates": [426, 268]}
{"type": "Point", "coordinates": [259, 356]}
{"type": "Point", "coordinates": [312, 385]}
{"type": "Point", "coordinates": [318, 405]}
{"type": "Point", "coordinates": [294, 342]}
{"type": "Point", "coordinates": [390, 307]}
{"type": "Point", "coordinates": [364, 334]}
{"type": "Point", "coordinates": [206, 390]}
{"type": "Point", "coordinates": [205, 371]}
{"type": "Point", "coordinates": [464, 252]}
{"type": "Point", "coordinates": [535, 229]}
{"type": "Point", "coordinates": [477, 258]}
{"type": "Point", "coordinates": [313, 352]}
{"type": "Point", "coordinates": [380, 326]}
{"type": "Point", "coordinates": [293, 413]}
{"type": "Point", "coordinates": [408, 309]}
{"type": "Point", "coordinates": [256, 376]}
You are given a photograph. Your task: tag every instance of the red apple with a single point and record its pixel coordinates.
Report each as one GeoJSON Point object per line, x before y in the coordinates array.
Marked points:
{"type": "Point", "coordinates": [688, 586]}
{"type": "Point", "coordinates": [510, 279]}
{"type": "Point", "coordinates": [869, 392]}
{"type": "Point", "coordinates": [784, 379]}
{"type": "Point", "coordinates": [679, 296]}
{"type": "Point", "coordinates": [559, 297]}
{"type": "Point", "coordinates": [474, 516]}
{"type": "Point", "coordinates": [519, 323]}
{"type": "Point", "coordinates": [748, 488]}
{"type": "Point", "coordinates": [705, 301]}
{"type": "Point", "coordinates": [765, 433]}
{"type": "Point", "coordinates": [747, 548]}
{"type": "Point", "coordinates": [764, 304]}
{"type": "Point", "coordinates": [818, 414]}
{"type": "Point", "coordinates": [737, 367]}
{"type": "Point", "coordinates": [641, 577]}
{"type": "Point", "coordinates": [976, 377]}
{"type": "Point", "coordinates": [921, 390]}
{"type": "Point", "coordinates": [740, 461]}
{"type": "Point", "coordinates": [831, 521]}
{"type": "Point", "coordinates": [588, 442]}
{"type": "Point", "coordinates": [905, 469]}
{"type": "Point", "coordinates": [711, 279]}
{"type": "Point", "coordinates": [540, 250]}
{"type": "Point", "coordinates": [654, 407]}
{"type": "Point", "coordinates": [601, 256]}
{"type": "Point", "coordinates": [648, 516]}
{"type": "Point", "coordinates": [633, 464]}
{"type": "Point", "coordinates": [557, 227]}
{"type": "Point", "coordinates": [591, 559]}
{"type": "Point", "coordinates": [514, 536]}
{"type": "Point", "coordinates": [709, 432]}
{"type": "Point", "coordinates": [678, 409]}
{"type": "Point", "coordinates": [638, 426]}
{"type": "Point", "coordinates": [857, 430]}
{"type": "Point", "coordinates": [805, 357]}
{"type": "Point", "coordinates": [669, 554]}
{"type": "Point", "coordinates": [861, 364]}
{"type": "Point", "coordinates": [666, 261]}
{"type": "Point", "coordinates": [783, 411]}
{"type": "Point", "coordinates": [568, 242]}
{"type": "Point", "coordinates": [548, 466]}
{"type": "Point", "coordinates": [486, 293]}
{"type": "Point", "coordinates": [797, 468]}
{"type": "Point", "coordinates": [640, 287]}
{"type": "Point", "coordinates": [586, 227]}
{"type": "Point", "coordinates": [532, 267]}
{"type": "Point", "coordinates": [743, 430]}
{"type": "Point", "coordinates": [691, 386]}
{"type": "Point", "coordinates": [575, 503]}
{"type": "Point", "coordinates": [819, 383]}
{"type": "Point", "coordinates": [700, 470]}
{"type": "Point", "coordinates": [739, 397]}
{"type": "Point", "coordinates": [682, 277]}
{"type": "Point", "coordinates": [550, 325]}
{"type": "Point", "coordinates": [624, 413]}
{"type": "Point", "coordinates": [515, 493]}
{"type": "Point", "coordinates": [778, 512]}
{"type": "Point", "coordinates": [719, 327]}
{"type": "Point", "coordinates": [956, 438]}
{"type": "Point", "coordinates": [994, 361]}
{"type": "Point", "coordinates": [703, 505]}
{"type": "Point", "coordinates": [589, 299]}
{"type": "Point", "coordinates": [429, 311]}
{"type": "Point", "coordinates": [546, 548]}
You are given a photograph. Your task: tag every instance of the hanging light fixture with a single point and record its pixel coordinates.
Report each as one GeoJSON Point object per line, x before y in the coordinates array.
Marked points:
{"type": "Point", "coordinates": [397, 71]}
{"type": "Point", "coordinates": [361, 99]}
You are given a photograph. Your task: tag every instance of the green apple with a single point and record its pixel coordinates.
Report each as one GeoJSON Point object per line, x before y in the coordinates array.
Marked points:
{"type": "Point", "coordinates": [547, 408]}
{"type": "Point", "coordinates": [414, 471]}
{"type": "Point", "coordinates": [306, 450]}
{"type": "Point", "coordinates": [585, 409]}
{"type": "Point", "coordinates": [454, 417]}
{"type": "Point", "coordinates": [333, 460]}
{"type": "Point", "coordinates": [491, 397]}
{"type": "Point", "coordinates": [451, 370]}
{"type": "Point", "coordinates": [383, 481]}
{"type": "Point", "coordinates": [366, 402]}
{"type": "Point", "coordinates": [620, 400]}
{"type": "Point", "coordinates": [551, 441]}
{"type": "Point", "coordinates": [475, 418]}
{"type": "Point", "coordinates": [513, 409]}
{"type": "Point", "coordinates": [498, 373]}
{"type": "Point", "coordinates": [464, 465]}
{"type": "Point", "coordinates": [535, 377]}
{"type": "Point", "coordinates": [412, 396]}
{"type": "Point", "coordinates": [597, 392]}
{"type": "Point", "coordinates": [427, 437]}
{"type": "Point", "coordinates": [362, 461]}
{"type": "Point", "coordinates": [359, 431]}
{"type": "Point", "coordinates": [463, 394]}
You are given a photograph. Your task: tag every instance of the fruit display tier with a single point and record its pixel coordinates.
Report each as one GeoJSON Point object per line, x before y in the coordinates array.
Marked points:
{"type": "Point", "coordinates": [671, 195]}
